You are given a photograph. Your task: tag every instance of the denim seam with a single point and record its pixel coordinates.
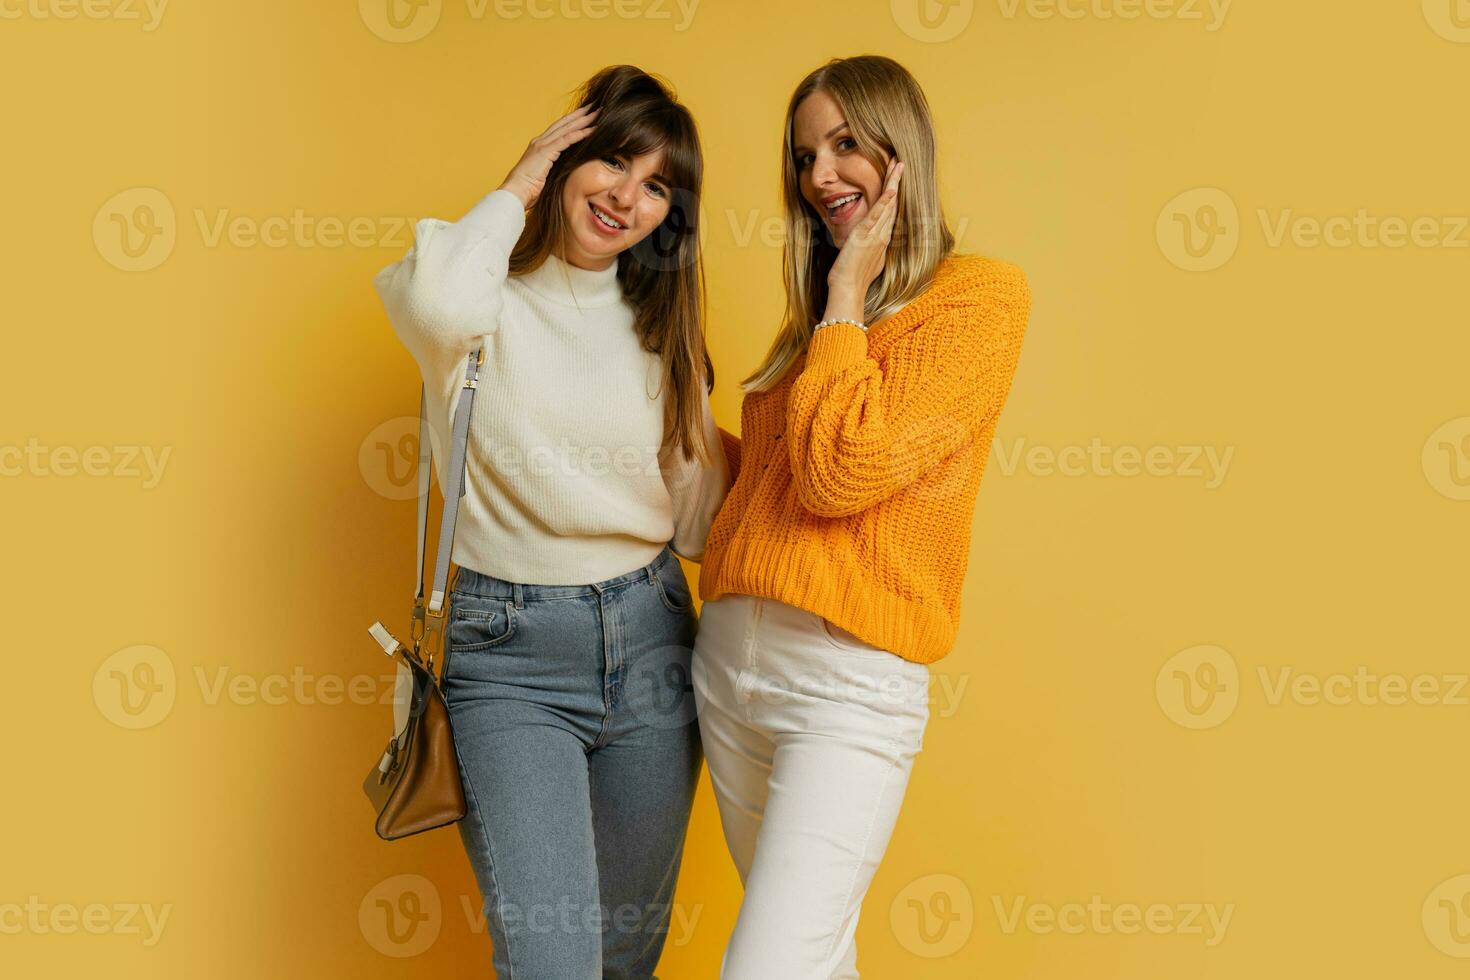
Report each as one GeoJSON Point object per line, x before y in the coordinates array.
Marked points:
{"type": "Point", "coordinates": [605, 727]}
{"type": "Point", "coordinates": [752, 650]}
{"type": "Point", "coordinates": [494, 883]}
{"type": "Point", "coordinates": [549, 598]}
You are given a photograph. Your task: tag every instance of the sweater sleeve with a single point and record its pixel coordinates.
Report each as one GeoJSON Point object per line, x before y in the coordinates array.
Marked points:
{"type": "Point", "coordinates": [697, 490]}
{"type": "Point", "coordinates": [852, 445]}
{"type": "Point", "coordinates": [444, 295]}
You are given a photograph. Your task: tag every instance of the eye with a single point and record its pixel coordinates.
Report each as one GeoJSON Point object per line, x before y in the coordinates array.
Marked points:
{"type": "Point", "coordinates": [613, 162]}
{"type": "Point", "coordinates": [847, 142]}
{"type": "Point", "coordinates": [803, 161]}
{"type": "Point", "coordinates": [656, 189]}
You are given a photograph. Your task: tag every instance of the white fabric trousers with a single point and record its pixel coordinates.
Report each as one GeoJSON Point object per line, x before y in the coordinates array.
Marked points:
{"type": "Point", "coordinates": [810, 734]}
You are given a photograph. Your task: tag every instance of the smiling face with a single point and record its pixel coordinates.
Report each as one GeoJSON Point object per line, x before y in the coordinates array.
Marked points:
{"type": "Point", "coordinates": [835, 179]}
{"type": "Point", "coordinates": [610, 205]}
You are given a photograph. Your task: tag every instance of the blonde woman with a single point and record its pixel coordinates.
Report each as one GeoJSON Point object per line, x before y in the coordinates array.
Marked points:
{"type": "Point", "coordinates": [832, 573]}
{"type": "Point", "coordinates": [593, 458]}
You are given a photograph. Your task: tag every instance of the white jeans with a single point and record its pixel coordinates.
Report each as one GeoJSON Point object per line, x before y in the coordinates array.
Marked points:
{"type": "Point", "coordinates": [810, 734]}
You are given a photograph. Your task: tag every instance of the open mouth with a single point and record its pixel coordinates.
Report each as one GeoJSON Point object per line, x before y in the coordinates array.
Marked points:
{"type": "Point", "coordinates": [605, 220]}
{"type": "Point", "coordinates": [839, 209]}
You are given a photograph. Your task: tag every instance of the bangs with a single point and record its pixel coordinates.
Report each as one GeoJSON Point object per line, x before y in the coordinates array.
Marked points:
{"type": "Point", "coordinates": [637, 131]}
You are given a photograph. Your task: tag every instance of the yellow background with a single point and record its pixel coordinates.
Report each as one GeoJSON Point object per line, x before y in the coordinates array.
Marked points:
{"type": "Point", "coordinates": [1076, 761]}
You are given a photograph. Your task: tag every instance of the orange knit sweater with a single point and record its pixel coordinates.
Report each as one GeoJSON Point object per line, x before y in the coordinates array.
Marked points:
{"type": "Point", "coordinates": [856, 475]}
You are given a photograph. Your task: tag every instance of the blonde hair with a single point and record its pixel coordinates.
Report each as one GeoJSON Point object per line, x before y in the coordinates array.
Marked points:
{"type": "Point", "coordinates": [886, 112]}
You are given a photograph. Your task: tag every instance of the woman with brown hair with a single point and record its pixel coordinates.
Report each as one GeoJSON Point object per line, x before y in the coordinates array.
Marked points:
{"type": "Point", "coordinates": [593, 457]}
{"type": "Point", "coordinates": [832, 574]}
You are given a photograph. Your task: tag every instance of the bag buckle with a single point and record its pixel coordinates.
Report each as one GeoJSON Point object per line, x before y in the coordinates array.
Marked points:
{"type": "Point", "coordinates": [386, 640]}
{"type": "Point", "coordinates": [432, 640]}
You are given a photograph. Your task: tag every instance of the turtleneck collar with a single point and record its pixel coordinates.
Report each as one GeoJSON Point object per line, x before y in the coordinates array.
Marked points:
{"type": "Point", "coordinates": [564, 283]}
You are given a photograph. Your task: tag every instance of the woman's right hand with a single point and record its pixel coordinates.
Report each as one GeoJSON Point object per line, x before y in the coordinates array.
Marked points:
{"type": "Point", "coordinates": [527, 178]}
{"type": "Point", "coordinates": [863, 255]}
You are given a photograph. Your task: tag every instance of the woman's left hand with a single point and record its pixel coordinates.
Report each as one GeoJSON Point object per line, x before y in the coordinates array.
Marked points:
{"type": "Point", "coordinates": [862, 255]}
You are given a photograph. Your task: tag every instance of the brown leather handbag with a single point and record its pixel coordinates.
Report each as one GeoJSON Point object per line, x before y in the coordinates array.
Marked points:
{"type": "Point", "coordinates": [416, 786]}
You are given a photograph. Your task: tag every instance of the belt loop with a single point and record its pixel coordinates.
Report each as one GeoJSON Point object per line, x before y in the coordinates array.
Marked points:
{"type": "Point", "coordinates": [515, 589]}
{"type": "Point", "coordinates": [649, 570]}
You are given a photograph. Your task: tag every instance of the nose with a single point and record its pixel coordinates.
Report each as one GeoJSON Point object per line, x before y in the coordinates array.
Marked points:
{"type": "Point", "coordinates": [823, 172]}
{"type": "Point", "coordinates": [622, 191]}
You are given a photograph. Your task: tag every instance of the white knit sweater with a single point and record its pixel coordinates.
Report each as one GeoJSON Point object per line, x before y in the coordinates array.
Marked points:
{"type": "Point", "coordinates": [569, 481]}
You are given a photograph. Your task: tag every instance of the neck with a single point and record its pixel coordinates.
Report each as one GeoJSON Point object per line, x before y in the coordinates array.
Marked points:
{"type": "Point", "coordinates": [585, 262]}
{"type": "Point", "coordinates": [564, 282]}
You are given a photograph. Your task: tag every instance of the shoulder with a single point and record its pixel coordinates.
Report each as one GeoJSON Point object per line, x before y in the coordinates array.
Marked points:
{"type": "Point", "coordinates": [980, 276]}
{"type": "Point", "coordinates": [984, 304]}
{"type": "Point", "coordinates": [966, 294]}
{"type": "Point", "coordinates": [975, 294]}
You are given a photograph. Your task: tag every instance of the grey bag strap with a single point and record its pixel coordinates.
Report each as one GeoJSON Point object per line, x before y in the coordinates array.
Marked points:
{"type": "Point", "coordinates": [453, 492]}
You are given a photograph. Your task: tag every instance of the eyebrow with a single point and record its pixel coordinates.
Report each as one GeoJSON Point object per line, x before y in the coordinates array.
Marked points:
{"type": "Point", "coordinates": [658, 177]}
{"type": "Point", "coordinates": [829, 134]}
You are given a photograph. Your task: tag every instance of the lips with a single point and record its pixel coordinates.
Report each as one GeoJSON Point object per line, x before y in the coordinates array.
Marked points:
{"type": "Point", "coordinates": [604, 222]}
{"type": "Point", "coordinates": [841, 207]}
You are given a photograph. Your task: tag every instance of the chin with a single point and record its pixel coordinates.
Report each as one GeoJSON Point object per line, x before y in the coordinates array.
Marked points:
{"type": "Point", "coordinates": [597, 247]}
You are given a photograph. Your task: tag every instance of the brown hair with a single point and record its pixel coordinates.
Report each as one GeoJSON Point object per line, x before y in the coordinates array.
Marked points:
{"type": "Point", "coordinates": [662, 276]}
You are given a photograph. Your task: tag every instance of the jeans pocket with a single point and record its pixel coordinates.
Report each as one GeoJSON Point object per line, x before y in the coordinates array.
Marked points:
{"type": "Point", "coordinates": [673, 588]}
{"type": "Point", "coordinates": [850, 643]}
{"type": "Point", "coordinates": [478, 623]}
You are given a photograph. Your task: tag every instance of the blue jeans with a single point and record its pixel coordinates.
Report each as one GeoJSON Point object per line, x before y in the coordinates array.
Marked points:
{"type": "Point", "coordinates": [574, 720]}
